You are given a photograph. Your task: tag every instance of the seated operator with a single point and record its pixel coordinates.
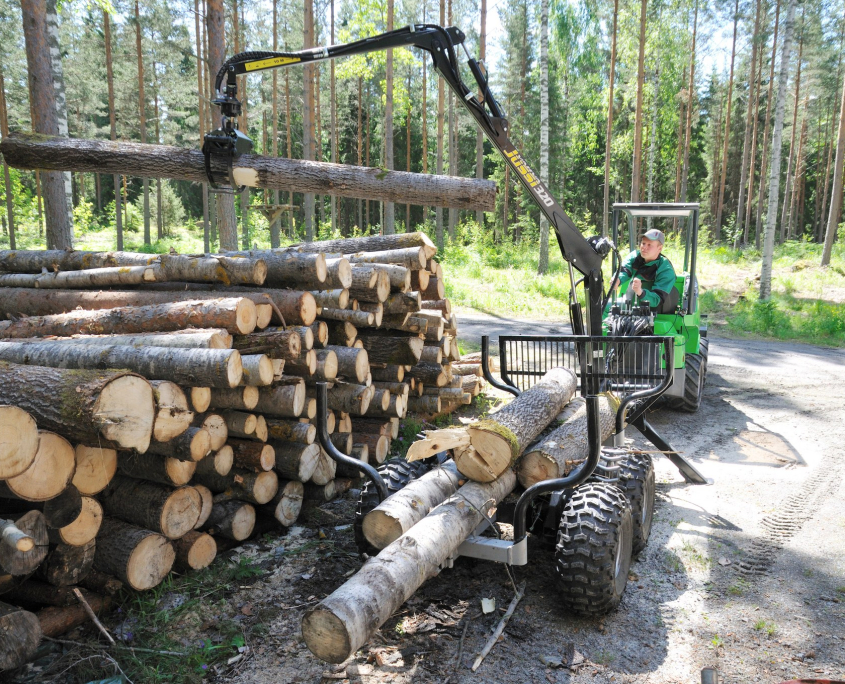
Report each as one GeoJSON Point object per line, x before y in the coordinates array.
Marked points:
{"type": "Point", "coordinates": [651, 274]}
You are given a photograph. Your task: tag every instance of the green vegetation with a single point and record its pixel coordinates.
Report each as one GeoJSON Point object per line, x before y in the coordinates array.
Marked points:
{"type": "Point", "coordinates": [765, 626]}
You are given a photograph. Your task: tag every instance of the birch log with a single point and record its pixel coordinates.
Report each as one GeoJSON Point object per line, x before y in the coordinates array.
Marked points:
{"type": "Point", "coordinates": [345, 620]}
{"type": "Point", "coordinates": [33, 151]}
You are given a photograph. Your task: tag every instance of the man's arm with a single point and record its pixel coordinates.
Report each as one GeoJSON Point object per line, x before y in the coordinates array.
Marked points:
{"type": "Point", "coordinates": [664, 281]}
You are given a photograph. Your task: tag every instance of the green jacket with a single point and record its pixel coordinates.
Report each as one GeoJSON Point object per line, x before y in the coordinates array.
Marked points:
{"type": "Point", "coordinates": [658, 277]}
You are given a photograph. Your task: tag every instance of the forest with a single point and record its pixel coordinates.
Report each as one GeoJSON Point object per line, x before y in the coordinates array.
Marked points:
{"type": "Point", "coordinates": [736, 105]}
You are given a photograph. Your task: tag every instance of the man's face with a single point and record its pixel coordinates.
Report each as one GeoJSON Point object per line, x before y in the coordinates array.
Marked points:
{"type": "Point", "coordinates": [650, 249]}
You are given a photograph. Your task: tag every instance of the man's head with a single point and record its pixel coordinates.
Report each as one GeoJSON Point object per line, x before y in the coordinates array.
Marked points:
{"type": "Point", "coordinates": [651, 244]}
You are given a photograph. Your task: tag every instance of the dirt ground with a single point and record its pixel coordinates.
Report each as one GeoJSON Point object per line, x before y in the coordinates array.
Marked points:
{"type": "Point", "coordinates": [746, 575]}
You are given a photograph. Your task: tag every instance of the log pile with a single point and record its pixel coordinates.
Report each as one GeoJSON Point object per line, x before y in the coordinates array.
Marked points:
{"type": "Point", "coordinates": [175, 403]}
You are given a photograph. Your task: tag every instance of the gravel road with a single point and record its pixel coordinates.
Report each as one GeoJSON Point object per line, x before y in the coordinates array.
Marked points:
{"type": "Point", "coordinates": [746, 575]}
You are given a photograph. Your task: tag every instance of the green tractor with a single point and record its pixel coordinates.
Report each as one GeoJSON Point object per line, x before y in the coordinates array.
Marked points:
{"type": "Point", "coordinates": [678, 316]}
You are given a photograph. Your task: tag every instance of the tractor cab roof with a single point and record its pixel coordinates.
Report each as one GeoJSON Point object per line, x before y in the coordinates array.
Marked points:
{"type": "Point", "coordinates": [657, 209]}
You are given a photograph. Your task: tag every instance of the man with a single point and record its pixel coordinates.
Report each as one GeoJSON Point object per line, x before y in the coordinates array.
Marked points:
{"type": "Point", "coordinates": [651, 274]}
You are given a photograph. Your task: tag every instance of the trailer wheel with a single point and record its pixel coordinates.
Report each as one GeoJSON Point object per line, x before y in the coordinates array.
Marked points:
{"type": "Point", "coordinates": [695, 371]}
{"type": "Point", "coordinates": [396, 475]}
{"type": "Point", "coordinates": [593, 551]}
{"type": "Point", "coordinates": [636, 479]}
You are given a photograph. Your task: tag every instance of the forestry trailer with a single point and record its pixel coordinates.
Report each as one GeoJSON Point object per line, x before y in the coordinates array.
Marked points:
{"type": "Point", "coordinates": [600, 513]}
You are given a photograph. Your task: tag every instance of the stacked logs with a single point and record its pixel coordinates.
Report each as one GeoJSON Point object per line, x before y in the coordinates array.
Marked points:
{"type": "Point", "coordinates": [211, 421]}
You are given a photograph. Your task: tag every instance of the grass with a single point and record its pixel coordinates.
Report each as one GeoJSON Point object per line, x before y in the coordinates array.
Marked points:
{"type": "Point", "coordinates": [770, 628]}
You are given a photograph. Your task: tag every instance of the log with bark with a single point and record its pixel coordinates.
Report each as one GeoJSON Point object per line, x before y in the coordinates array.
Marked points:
{"type": "Point", "coordinates": [23, 543]}
{"type": "Point", "coordinates": [387, 372]}
{"type": "Point", "coordinates": [218, 463]}
{"type": "Point", "coordinates": [215, 425]}
{"type": "Point", "coordinates": [392, 349]}
{"type": "Point", "coordinates": [18, 441]}
{"type": "Point", "coordinates": [213, 338]}
{"type": "Point", "coordinates": [20, 635]}
{"type": "Point", "coordinates": [140, 558]}
{"type": "Point", "coordinates": [242, 484]}
{"type": "Point", "coordinates": [567, 445]}
{"type": "Point", "coordinates": [399, 512]}
{"type": "Point", "coordinates": [34, 594]}
{"type": "Point", "coordinates": [286, 401]}
{"type": "Point", "coordinates": [101, 583]}
{"type": "Point", "coordinates": [352, 364]}
{"type": "Point", "coordinates": [194, 551]}
{"type": "Point", "coordinates": [372, 243]}
{"type": "Point", "coordinates": [239, 423]}
{"type": "Point", "coordinates": [278, 343]}
{"type": "Point", "coordinates": [59, 511]}
{"type": "Point", "coordinates": [235, 314]}
{"type": "Point", "coordinates": [173, 416]}
{"type": "Point", "coordinates": [192, 445]}
{"type": "Point", "coordinates": [413, 258]}
{"type": "Point", "coordinates": [258, 370]}
{"type": "Point", "coordinates": [378, 446]}
{"type": "Point", "coordinates": [169, 471]}
{"type": "Point", "coordinates": [200, 398]}
{"type": "Point", "coordinates": [33, 151]}
{"type": "Point", "coordinates": [207, 497]}
{"type": "Point", "coordinates": [114, 276]}
{"type": "Point", "coordinates": [431, 374]}
{"type": "Point", "coordinates": [109, 408]}
{"type": "Point", "coordinates": [315, 364]}
{"type": "Point", "coordinates": [48, 475]}
{"type": "Point", "coordinates": [325, 471]}
{"type": "Point", "coordinates": [238, 398]}
{"type": "Point", "coordinates": [350, 398]}
{"type": "Point", "coordinates": [82, 530]}
{"type": "Point", "coordinates": [252, 455]}
{"type": "Point", "coordinates": [171, 512]}
{"type": "Point", "coordinates": [420, 280]}
{"type": "Point", "coordinates": [233, 520]}
{"type": "Point", "coordinates": [56, 620]}
{"type": "Point", "coordinates": [341, 333]}
{"type": "Point", "coordinates": [286, 268]}
{"type": "Point", "coordinates": [370, 283]}
{"type": "Point", "coordinates": [291, 430]}
{"type": "Point", "coordinates": [345, 620]}
{"type": "Point", "coordinates": [360, 319]}
{"type": "Point", "coordinates": [205, 367]}
{"type": "Point", "coordinates": [287, 503]}
{"type": "Point", "coordinates": [319, 493]}
{"type": "Point", "coordinates": [333, 299]}
{"type": "Point", "coordinates": [66, 565]}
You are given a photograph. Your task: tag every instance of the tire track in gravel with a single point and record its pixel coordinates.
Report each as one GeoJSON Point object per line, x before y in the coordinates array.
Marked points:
{"type": "Point", "coordinates": [787, 520]}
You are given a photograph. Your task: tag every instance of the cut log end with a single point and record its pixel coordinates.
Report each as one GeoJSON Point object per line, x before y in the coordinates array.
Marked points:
{"type": "Point", "coordinates": [180, 512]}
{"type": "Point", "coordinates": [150, 562]}
{"type": "Point", "coordinates": [246, 316]}
{"type": "Point", "coordinates": [326, 635]}
{"type": "Point", "coordinates": [18, 441]}
{"type": "Point", "coordinates": [125, 410]}
{"type": "Point", "coordinates": [85, 527]}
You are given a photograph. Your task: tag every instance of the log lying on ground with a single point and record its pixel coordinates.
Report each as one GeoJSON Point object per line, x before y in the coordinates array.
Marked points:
{"type": "Point", "coordinates": [171, 512]}
{"type": "Point", "coordinates": [97, 277]}
{"type": "Point", "coordinates": [235, 314]}
{"type": "Point", "coordinates": [287, 503]}
{"type": "Point", "coordinates": [24, 543]}
{"type": "Point", "coordinates": [20, 634]}
{"type": "Point", "coordinates": [275, 173]}
{"type": "Point", "coordinates": [109, 408]}
{"type": "Point", "coordinates": [399, 512]}
{"type": "Point", "coordinates": [205, 367]}
{"type": "Point", "coordinates": [566, 446]}
{"type": "Point", "coordinates": [18, 441]}
{"type": "Point", "coordinates": [56, 620]}
{"type": "Point", "coordinates": [49, 474]}
{"type": "Point", "coordinates": [345, 620]}
{"type": "Point", "coordinates": [139, 557]}
{"type": "Point", "coordinates": [66, 565]}
{"type": "Point", "coordinates": [82, 530]}
{"type": "Point", "coordinates": [194, 551]}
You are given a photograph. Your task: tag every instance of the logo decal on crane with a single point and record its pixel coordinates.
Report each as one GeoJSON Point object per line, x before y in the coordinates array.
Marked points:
{"type": "Point", "coordinates": [530, 177]}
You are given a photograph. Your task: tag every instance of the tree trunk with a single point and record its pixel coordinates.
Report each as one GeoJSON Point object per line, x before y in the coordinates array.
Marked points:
{"type": "Point", "coordinates": [717, 226]}
{"type": "Point", "coordinates": [543, 263]}
{"type": "Point", "coordinates": [690, 104]}
{"type": "Point", "coordinates": [787, 192]}
{"type": "Point", "coordinates": [609, 134]}
{"type": "Point", "coordinates": [114, 409]}
{"type": "Point", "coordinates": [138, 557]}
{"type": "Point", "coordinates": [774, 176]}
{"type": "Point", "coordinates": [142, 114]}
{"type": "Point", "coordinates": [236, 315]}
{"type": "Point", "coordinates": [82, 530]}
{"type": "Point", "coordinates": [20, 441]}
{"type": "Point", "coordinates": [441, 111]}
{"type": "Point", "coordinates": [45, 119]}
{"type": "Point", "coordinates": [836, 194]}
{"type": "Point", "coordinates": [346, 619]}
{"type": "Point", "coordinates": [201, 367]}
{"type": "Point", "coordinates": [756, 117]}
{"type": "Point", "coordinates": [4, 132]}
{"type": "Point", "coordinates": [118, 212]}
{"type": "Point", "coordinates": [638, 116]}
{"type": "Point", "coordinates": [95, 468]}
{"type": "Point", "coordinates": [20, 635]}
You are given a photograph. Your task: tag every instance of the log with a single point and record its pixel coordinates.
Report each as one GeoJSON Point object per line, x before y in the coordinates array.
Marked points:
{"type": "Point", "coordinates": [409, 257]}
{"type": "Point", "coordinates": [400, 388]}
{"type": "Point", "coordinates": [33, 593]}
{"type": "Point", "coordinates": [235, 314]}
{"type": "Point", "coordinates": [353, 399]}
{"type": "Point", "coordinates": [101, 583]}
{"type": "Point", "coordinates": [399, 277]}
{"type": "Point", "coordinates": [239, 423]}
{"type": "Point", "coordinates": [340, 333]}
{"type": "Point", "coordinates": [34, 151]}
{"type": "Point", "coordinates": [238, 398]}
{"type": "Point", "coordinates": [467, 369]}
{"type": "Point", "coordinates": [406, 323]}
{"type": "Point", "coordinates": [324, 367]}
{"type": "Point", "coordinates": [286, 401]}
{"type": "Point", "coordinates": [316, 333]}
{"type": "Point", "coordinates": [392, 349]}
{"type": "Point", "coordinates": [399, 512]}
{"type": "Point", "coordinates": [287, 503]}
{"type": "Point", "coordinates": [388, 372]}
{"type": "Point", "coordinates": [375, 308]}
{"type": "Point", "coordinates": [378, 291]}
{"type": "Point", "coordinates": [207, 498]}
{"type": "Point", "coordinates": [345, 620]}
{"type": "Point", "coordinates": [59, 511]}
{"type": "Point", "coordinates": [215, 425]}
{"type": "Point", "coordinates": [372, 243]}
{"type": "Point", "coordinates": [435, 289]}
{"type": "Point", "coordinates": [451, 394]}
{"type": "Point", "coordinates": [250, 455]}
{"type": "Point", "coordinates": [194, 551]}
{"type": "Point", "coordinates": [192, 445]}
{"type": "Point", "coordinates": [138, 557]}
{"type": "Point", "coordinates": [207, 367]}
{"type": "Point", "coordinates": [499, 440]}
{"type": "Point", "coordinates": [436, 441]}
{"type": "Point", "coordinates": [173, 416]}
{"type": "Point", "coordinates": [333, 299]}
{"type": "Point", "coordinates": [373, 426]}
{"type": "Point", "coordinates": [278, 343]}
{"type": "Point", "coordinates": [233, 520]}
{"type": "Point", "coordinates": [442, 305]}
{"type": "Point", "coordinates": [420, 280]}
{"type": "Point", "coordinates": [242, 484]}
{"type": "Point", "coordinates": [219, 462]}
{"type": "Point", "coordinates": [342, 441]}
{"type": "Point", "coordinates": [378, 446]}
{"type": "Point", "coordinates": [360, 319]}
{"type": "Point", "coordinates": [344, 422]}
{"type": "Point", "coordinates": [431, 354]}
{"type": "Point", "coordinates": [24, 543]}
{"type": "Point", "coordinates": [109, 408]}
{"type": "Point", "coordinates": [380, 400]}
{"type": "Point", "coordinates": [169, 471]}
{"type": "Point", "coordinates": [261, 432]}
{"type": "Point", "coordinates": [338, 275]}
{"type": "Point", "coordinates": [20, 635]}
{"type": "Point", "coordinates": [18, 441]}
{"type": "Point", "coordinates": [360, 452]}
{"type": "Point", "coordinates": [49, 474]}
{"type": "Point", "coordinates": [325, 471]}
{"type": "Point", "coordinates": [66, 565]}
{"type": "Point", "coordinates": [200, 398]}
{"type": "Point", "coordinates": [431, 374]}
{"type": "Point", "coordinates": [424, 405]}
{"type": "Point", "coordinates": [320, 493]}
{"type": "Point", "coordinates": [566, 446]}
{"type": "Point", "coordinates": [295, 461]}
{"type": "Point", "coordinates": [402, 302]}
{"type": "Point", "coordinates": [55, 620]}
{"type": "Point", "coordinates": [96, 277]}
{"type": "Point", "coordinates": [257, 370]}
{"type": "Point", "coordinates": [168, 511]}
{"type": "Point", "coordinates": [82, 530]}
{"type": "Point", "coordinates": [214, 338]}
{"type": "Point", "coordinates": [352, 364]}
{"type": "Point", "coordinates": [286, 268]}
{"type": "Point", "coordinates": [291, 430]}
{"type": "Point", "coordinates": [264, 315]}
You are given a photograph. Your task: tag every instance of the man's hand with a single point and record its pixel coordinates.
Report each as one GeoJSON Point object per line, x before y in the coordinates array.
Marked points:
{"type": "Point", "coordinates": [637, 287]}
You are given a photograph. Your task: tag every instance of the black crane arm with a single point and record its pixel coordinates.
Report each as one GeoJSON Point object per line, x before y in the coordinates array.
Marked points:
{"type": "Point", "coordinates": [583, 255]}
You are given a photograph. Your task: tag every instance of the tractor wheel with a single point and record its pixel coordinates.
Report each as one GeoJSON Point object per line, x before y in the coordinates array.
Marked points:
{"type": "Point", "coordinates": [695, 370]}
{"type": "Point", "coordinates": [636, 479]}
{"type": "Point", "coordinates": [396, 475]}
{"type": "Point", "coordinates": [704, 350]}
{"type": "Point", "coordinates": [593, 551]}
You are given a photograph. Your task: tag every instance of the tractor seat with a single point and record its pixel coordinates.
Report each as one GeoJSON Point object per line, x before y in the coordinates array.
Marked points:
{"type": "Point", "coordinates": [670, 303]}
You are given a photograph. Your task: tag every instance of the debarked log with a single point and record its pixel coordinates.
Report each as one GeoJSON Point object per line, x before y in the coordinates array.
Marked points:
{"type": "Point", "coordinates": [345, 620]}
{"type": "Point", "coordinates": [33, 151]}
